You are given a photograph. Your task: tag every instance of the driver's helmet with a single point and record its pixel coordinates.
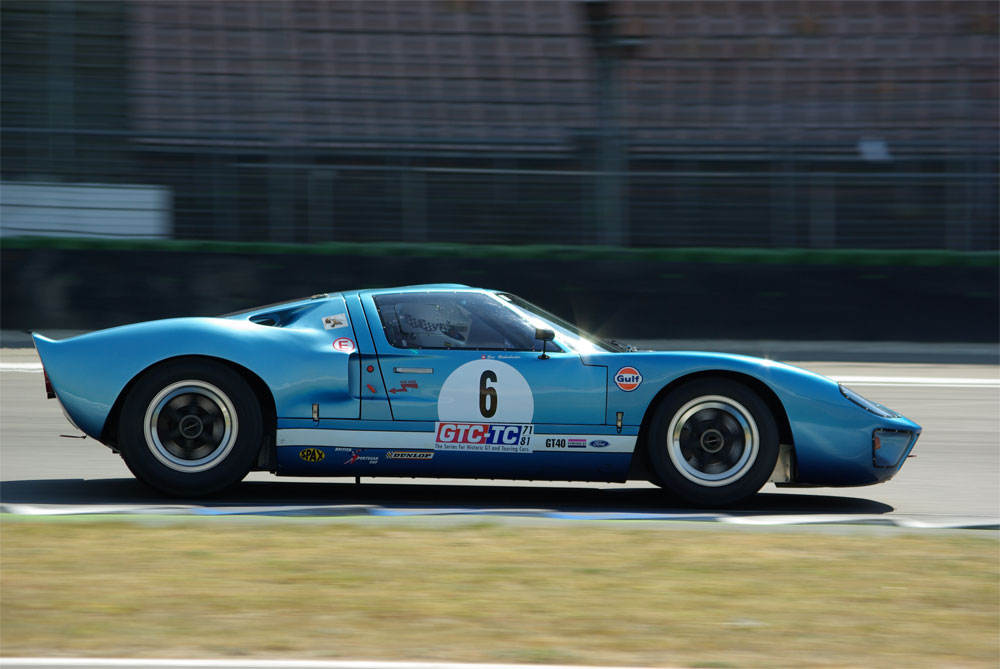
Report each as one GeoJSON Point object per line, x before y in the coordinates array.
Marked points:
{"type": "Point", "coordinates": [424, 325]}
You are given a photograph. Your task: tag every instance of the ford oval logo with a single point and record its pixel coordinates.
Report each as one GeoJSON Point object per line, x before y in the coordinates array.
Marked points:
{"type": "Point", "coordinates": [599, 443]}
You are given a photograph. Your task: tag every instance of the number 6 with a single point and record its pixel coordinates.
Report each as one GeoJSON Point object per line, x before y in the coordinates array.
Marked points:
{"type": "Point", "coordinates": [487, 394]}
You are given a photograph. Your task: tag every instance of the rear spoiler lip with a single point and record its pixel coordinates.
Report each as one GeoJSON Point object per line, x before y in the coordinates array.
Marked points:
{"type": "Point", "coordinates": [50, 392]}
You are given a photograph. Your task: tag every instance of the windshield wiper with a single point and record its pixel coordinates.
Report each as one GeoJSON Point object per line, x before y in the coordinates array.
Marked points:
{"type": "Point", "coordinates": [624, 348]}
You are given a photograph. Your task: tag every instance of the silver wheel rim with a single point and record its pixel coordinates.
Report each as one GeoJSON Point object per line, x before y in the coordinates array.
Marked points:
{"type": "Point", "coordinates": [190, 426]}
{"type": "Point", "coordinates": [713, 441]}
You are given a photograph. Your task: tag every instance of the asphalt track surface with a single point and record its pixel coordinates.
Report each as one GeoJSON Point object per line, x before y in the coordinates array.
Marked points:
{"type": "Point", "coordinates": [954, 480]}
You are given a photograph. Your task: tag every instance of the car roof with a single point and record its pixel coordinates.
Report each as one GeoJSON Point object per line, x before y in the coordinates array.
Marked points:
{"type": "Point", "coordinates": [419, 288]}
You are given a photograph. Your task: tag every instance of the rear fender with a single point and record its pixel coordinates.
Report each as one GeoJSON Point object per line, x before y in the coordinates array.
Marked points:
{"type": "Point", "coordinates": [298, 366]}
{"type": "Point", "coordinates": [109, 434]}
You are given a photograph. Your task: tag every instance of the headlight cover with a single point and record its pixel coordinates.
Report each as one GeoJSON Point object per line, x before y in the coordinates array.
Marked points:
{"type": "Point", "coordinates": [867, 404]}
{"type": "Point", "coordinates": [889, 446]}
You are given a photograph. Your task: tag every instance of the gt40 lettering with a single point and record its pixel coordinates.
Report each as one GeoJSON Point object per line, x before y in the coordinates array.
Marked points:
{"type": "Point", "coordinates": [565, 442]}
{"type": "Point", "coordinates": [568, 441]}
{"type": "Point", "coordinates": [498, 437]}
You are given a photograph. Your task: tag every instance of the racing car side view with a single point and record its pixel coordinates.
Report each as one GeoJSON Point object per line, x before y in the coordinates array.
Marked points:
{"type": "Point", "coordinates": [456, 382]}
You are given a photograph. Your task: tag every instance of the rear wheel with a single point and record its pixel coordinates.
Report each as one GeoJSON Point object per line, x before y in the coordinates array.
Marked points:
{"type": "Point", "coordinates": [713, 442]}
{"type": "Point", "coordinates": [190, 428]}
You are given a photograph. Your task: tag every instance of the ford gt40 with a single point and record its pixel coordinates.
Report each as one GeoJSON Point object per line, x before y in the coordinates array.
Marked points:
{"type": "Point", "coordinates": [449, 381]}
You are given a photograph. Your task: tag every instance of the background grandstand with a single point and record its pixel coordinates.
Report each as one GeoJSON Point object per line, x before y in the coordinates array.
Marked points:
{"type": "Point", "coordinates": [841, 124]}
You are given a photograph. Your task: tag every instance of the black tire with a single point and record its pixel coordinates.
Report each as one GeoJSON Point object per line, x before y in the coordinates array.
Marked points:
{"type": "Point", "coordinates": [190, 428]}
{"type": "Point", "coordinates": [712, 442]}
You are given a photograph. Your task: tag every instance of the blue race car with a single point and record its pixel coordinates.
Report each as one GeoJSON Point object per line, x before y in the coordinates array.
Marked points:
{"type": "Point", "coordinates": [457, 382]}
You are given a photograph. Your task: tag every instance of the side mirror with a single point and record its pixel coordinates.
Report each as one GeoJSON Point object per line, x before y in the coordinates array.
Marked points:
{"type": "Point", "coordinates": [544, 336]}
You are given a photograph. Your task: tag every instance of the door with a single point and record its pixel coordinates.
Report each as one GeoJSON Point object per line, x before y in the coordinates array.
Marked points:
{"type": "Point", "coordinates": [463, 357]}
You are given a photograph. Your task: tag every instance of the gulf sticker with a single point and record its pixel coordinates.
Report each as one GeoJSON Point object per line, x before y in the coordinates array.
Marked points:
{"type": "Point", "coordinates": [343, 344]}
{"type": "Point", "coordinates": [628, 378]}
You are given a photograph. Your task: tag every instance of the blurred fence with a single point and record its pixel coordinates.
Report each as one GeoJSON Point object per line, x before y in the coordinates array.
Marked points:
{"type": "Point", "coordinates": [83, 210]}
{"type": "Point", "coordinates": [773, 124]}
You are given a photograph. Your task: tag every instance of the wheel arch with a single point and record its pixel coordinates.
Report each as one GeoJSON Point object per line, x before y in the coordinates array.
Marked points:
{"type": "Point", "coordinates": [638, 469]}
{"type": "Point", "coordinates": [109, 434]}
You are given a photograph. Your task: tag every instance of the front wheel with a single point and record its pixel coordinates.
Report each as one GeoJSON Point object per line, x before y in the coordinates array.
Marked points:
{"type": "Point", "coordinates": [190, 428]}
{"type": "Point", "coordinates": [713, 442]}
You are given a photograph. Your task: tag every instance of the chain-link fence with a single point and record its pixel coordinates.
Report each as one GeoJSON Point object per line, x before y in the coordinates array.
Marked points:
{"type": "Point", "coordinates": [770, 124]}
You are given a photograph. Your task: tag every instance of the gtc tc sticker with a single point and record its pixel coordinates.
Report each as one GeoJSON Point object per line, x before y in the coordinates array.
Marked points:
{"type": "Point", "coordinates": [628, 378]}
{"type": "Point", "coordinates": [334, 322]}
{"type": "Point", "coordinates": [491, 437]}
{"type": "Point", "coordinates": [311, 454]}
{"type": "Point", "coordinates": [344, 345]}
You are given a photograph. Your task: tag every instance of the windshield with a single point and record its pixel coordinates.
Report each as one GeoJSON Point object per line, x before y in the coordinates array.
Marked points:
{"type": "Point", "coordinates": [573, 337]}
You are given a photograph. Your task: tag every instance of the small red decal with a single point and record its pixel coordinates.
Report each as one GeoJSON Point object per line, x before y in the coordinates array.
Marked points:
{"type": "Point", "coordinates": [403, 386]}
{"type": "Point", "coordinates": [344, 345]}
{"type": "Point", "coordinates": [371, 387]}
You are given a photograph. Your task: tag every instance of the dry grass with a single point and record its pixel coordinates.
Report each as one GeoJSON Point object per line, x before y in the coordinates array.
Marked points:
{"type": "Point", "coordinates": [498, 593]}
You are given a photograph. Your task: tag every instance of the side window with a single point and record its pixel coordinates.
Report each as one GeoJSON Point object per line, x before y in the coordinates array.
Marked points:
{"type": "Point", "coordinates": [442, 320]}
{"type": "Point", "coordinates": [425, 322]}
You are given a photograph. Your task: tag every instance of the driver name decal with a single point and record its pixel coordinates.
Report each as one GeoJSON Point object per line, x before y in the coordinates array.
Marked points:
{"type": "Point", "coordinates": [484, 437]}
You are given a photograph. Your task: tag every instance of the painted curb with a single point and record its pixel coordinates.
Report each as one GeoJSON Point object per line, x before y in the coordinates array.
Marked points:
{"type": "Point", "coordinates": [362, 510]}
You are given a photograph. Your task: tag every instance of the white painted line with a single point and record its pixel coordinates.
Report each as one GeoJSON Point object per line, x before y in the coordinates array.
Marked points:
{"type": "Point", "coordinates": [499, 514]}
{"type": "Point", "coordinates": [267, 664]}
{"type": "Point", "coordinates": [20, 366]}
{"type": "Point", "coordinates": [929, 381]}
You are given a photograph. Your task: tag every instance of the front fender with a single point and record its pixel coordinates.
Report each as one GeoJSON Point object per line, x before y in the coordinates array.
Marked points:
{"type": "Point", "coordinates": [831, 435]}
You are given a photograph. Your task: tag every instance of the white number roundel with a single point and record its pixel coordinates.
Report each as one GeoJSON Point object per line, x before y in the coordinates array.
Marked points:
{"type": "Point", "coordinates": [486, 391]}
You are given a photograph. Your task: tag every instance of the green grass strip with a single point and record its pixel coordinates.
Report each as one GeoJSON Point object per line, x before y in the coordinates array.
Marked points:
{"type": "Point", "coordinates": [924, 258]}
{"type": "Point", "coordinates": [582, 594]}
